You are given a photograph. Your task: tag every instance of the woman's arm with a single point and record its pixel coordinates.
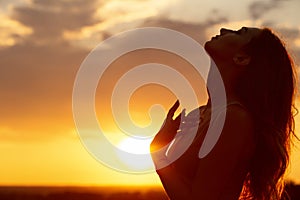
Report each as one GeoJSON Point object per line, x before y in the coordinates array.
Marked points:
{"type": "Point", "coordinates": [227, 162]}
{"type": "Point", "coordinates": [162, 139]}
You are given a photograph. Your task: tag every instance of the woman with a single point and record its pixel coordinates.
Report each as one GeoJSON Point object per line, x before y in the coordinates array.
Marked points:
{"type": "Point", "coordinates": [251, 156]}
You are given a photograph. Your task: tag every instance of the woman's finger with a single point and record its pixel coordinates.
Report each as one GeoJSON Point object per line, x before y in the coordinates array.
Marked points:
{"type": "Point", "coordinates": [173, 109]}
{"type": "Point", "coordinates": [181, 115]}
{"type": "Point", "coordinates": [179, 119]}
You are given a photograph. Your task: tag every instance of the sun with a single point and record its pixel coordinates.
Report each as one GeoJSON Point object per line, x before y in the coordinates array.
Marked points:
{"type": "Point", "coordinates": [136, 146]}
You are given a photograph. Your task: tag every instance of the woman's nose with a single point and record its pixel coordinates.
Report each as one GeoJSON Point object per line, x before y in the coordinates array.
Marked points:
{"type": "Point", "coordinates": [224, 31]}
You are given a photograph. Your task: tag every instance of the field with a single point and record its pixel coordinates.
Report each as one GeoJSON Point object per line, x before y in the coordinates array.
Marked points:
{"type": "Point", "coordinates": [98, 193]}
{"type": "Point", "coordinates": [80, 193]}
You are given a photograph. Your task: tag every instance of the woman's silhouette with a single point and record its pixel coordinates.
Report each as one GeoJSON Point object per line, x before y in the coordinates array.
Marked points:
{"type": "Point", "coordinates": [251, 156]}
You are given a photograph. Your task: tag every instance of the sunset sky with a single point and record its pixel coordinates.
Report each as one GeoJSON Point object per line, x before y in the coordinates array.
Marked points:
{"type": "Point", "coordinates": [44, 42]}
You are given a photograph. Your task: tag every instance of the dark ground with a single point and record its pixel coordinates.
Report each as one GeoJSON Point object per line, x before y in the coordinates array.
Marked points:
{"type": "Point", "coordinates": [80, 193]}
{"type": "Point", "coordinates": [98, 193]}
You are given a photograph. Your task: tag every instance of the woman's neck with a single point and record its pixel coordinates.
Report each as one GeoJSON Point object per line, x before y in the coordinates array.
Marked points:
{"type": "Point", "coordinates": [221, 86]}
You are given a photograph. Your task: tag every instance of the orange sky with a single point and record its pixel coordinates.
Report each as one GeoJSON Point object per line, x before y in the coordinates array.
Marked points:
{"type": "Point", "coordinates": [43, 43]}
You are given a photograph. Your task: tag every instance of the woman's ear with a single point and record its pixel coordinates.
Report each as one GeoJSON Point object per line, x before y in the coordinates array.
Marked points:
{"type": "Point", "coordinates": [242, 59]}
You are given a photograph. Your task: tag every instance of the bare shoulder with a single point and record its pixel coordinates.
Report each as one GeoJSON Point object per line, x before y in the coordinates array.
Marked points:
{"type": "Point", "coordinates": [237, 136]}
{"type": "Point", "coordinates": [239, 126]}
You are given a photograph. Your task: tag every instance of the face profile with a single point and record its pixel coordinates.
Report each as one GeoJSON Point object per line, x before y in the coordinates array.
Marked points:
{"type": "Point", "coordinates": [228, 45]}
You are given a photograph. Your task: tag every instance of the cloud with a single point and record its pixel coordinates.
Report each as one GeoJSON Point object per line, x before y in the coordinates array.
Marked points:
{"type": "Point", "coordinates": [36, 86]}
{"type": "Point", "coordinates": [259, 8]}
{"type": "Point", "coordinates": [290, 33]}
{"type": "Point", "coordinates": [11, 31]}
{"type": "Point", "coordinates": [37, 73]}
{"type": "Point", "coordinates": [117, 16]}
{"type": "Point", "coordinates": [290, 36]}
{"type": "Point", "coordinates": [197, 31]}
{"type": "Point", "coordinates": [49, 19]}
{"type": "Point", "coordinates": [36, 79]}
{"type": "Point", "coordinates": [38, 69]}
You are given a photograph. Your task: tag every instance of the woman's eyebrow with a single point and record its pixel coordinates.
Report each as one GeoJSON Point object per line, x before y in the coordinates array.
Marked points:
{"type": "Point", "coordinates": [242, 30]}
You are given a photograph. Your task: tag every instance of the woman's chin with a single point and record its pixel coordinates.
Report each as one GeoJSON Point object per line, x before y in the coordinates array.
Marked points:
{"type": "Point", "coordinates": [207, 47]}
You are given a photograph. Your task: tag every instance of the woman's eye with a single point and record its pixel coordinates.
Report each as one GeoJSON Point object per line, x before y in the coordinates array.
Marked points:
{"type": "Point", "coordinates": [242, 30]}
{"type": "Point", "coordinates": [239, 31]}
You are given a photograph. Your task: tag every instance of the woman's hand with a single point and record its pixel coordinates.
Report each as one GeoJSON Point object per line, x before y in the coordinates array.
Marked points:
{"type": "Point", "coordinates": [168, 130]}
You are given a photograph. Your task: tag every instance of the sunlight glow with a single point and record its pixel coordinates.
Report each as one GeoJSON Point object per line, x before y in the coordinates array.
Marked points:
{"type": "Point", "coordinates": [136, 146]}
{"type": "Point", "coordinates": [297, 42]}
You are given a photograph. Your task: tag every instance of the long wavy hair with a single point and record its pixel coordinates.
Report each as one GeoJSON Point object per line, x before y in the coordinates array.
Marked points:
{"type": "Point", "coordinates": [267, 89]}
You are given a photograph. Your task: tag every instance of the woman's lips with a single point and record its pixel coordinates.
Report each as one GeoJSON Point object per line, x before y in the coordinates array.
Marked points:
{"type": "Point", "coordinates": [215, 37]}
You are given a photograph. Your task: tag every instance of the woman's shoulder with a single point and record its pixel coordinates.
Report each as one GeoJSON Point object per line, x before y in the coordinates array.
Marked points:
{"type": "Point", "coordinates": [239, 123]}
{"type": "Point", "coordinates": [237, 132]}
